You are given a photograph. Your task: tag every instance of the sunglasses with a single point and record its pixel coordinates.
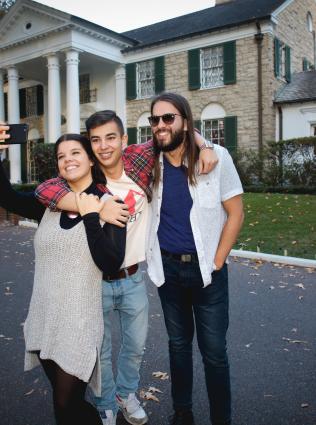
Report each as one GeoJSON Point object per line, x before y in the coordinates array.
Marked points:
{"type": "Point", "coordinates": [166, 118]}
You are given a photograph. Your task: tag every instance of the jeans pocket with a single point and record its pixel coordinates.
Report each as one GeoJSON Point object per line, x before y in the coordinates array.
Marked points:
{"type": "Point", "coordinates": [137, 277]}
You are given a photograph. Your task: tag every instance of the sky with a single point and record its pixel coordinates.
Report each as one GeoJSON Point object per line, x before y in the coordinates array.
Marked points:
{"type": "Point", "coordinates": [124, 15]}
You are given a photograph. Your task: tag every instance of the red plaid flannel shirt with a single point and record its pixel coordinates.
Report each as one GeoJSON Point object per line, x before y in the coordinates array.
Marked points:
{"type": "Point", "coordinates": [138, 165]}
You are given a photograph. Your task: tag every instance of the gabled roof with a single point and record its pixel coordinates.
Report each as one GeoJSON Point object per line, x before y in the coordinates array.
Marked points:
{"type": "Point", "coordinates": [224, 15]}
{"type": "Point", "coordinates": [302, 88]}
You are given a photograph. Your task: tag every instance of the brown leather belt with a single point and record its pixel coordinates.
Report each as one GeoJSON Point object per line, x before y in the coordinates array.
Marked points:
{"type": "Point", "coordinates": [123, 273]}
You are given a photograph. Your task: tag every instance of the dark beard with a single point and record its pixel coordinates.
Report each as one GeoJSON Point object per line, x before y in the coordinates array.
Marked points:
{"type": "Point", "coordinates": [176, 141]}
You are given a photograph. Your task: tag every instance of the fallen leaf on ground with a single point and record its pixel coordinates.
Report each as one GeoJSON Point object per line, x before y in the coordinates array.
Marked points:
{"type": "Point", "coordinates": [154, 390]}
{"type": "Point", "coordinates": [300, 285]}
{"type": "Point", "coordinates": [161, 375]}
{"type": "Point", "coordinates": [304, 405]}
{"type": "Point", "coordinates": [29, 393]}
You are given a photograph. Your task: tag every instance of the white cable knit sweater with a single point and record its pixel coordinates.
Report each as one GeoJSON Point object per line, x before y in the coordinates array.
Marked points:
{"type": "Point", "coordinates": [65, 321]}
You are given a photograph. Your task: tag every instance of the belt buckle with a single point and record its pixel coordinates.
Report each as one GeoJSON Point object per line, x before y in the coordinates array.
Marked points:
{"type": "Point", "coordinates": [186, 258]}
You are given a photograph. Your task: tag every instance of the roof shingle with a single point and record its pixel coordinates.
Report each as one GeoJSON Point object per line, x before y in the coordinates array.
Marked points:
{"type": "Point", "coordinates": [302, 88]}
{"type": "Point", "coordinates": [228, 14]}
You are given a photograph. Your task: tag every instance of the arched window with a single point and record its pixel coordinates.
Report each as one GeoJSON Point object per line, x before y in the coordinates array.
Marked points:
{"type": "Point", "coordinates": [143, 128]}
{"type": "Point", "coordinates": [213, 123]}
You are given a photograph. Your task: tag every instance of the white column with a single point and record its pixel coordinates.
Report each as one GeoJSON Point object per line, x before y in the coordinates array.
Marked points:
{"type": "Point", "coordinates": [54, 108]}
{"type": "Point", "coordinates": [72, 89]}
{"type": "Point", "coordinates": [2, 104]}
{"type": "Point", "coordinates": [14, 118]}
{"type": "Point", "coordinates": [120, 99]}
{"type": "Point", "coordinates": [1, 95]}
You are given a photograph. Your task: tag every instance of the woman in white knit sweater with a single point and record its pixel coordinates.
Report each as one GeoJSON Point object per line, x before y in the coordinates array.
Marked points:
{"type": "Point", "coordinates": [64, 327]}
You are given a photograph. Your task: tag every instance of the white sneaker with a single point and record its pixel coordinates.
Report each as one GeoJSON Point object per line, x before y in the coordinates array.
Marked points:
{"type": "Point", "coordinates": [132, 410]}
{"type": "Point", "coordinates": [108, 418]}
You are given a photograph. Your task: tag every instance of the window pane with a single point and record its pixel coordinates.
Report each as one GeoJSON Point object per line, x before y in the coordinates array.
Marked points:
{"type": "Point", "coordinates": [145, 79]}
{"type": "Point", "coordinates": [212, 67]}
{"type": "Point", "coordinates": [84, 88]}
{"type": "Point", "coordinates": [214, 130]}
{"type": "Point", "coordinates": [144, 134]}
{"type": "Point", "coordinates": [31, 101]}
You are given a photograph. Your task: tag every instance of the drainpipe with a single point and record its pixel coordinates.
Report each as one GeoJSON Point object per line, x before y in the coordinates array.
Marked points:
{"type": "Point", "coordinates": [280, 151]}
{"type": "Point", "coordinates": [259, 39]}
{"type": "Point", "coordinates": [314, 45]}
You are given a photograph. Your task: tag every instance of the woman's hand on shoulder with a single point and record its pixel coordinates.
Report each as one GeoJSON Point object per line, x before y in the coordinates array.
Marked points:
{"type": "Point", "coordinates": [88, 203]}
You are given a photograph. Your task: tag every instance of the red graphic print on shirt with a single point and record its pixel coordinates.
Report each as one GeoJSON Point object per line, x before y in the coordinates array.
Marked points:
{"type": "Point", "coordinates": [130, 200]}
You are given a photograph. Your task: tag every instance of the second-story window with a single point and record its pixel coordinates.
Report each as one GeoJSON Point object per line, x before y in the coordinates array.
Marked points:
{"type": "Point", "coordinates": [31, 101]}
{"type": "Point", "coordinates": [212, 68]}
{"type": "Point", "coordinates": [282, 60]}
{"type": "Point", "coordinates": [84, 88]}
{"type": "Point", "coordinates": [145, 79]}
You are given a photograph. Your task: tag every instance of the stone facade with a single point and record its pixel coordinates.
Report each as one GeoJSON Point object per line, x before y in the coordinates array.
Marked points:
{"type": "Point", "coordinates": [241, 99]}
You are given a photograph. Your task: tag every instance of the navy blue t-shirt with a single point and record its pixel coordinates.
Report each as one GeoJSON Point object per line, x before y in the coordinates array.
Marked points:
{"type": "Point", "coordinates": [175, 232]}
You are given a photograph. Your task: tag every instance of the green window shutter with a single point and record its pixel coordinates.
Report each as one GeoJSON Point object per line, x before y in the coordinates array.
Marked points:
{"type": "Point", "coordinates": [22, 98]}
{"type": "Point", "coordinates": [194, 69]}
{"type": "Point", "coordinates": [276, 57]}
{"type": "Point", "coordinates": [230, 133]}
{"type": "Point", "coordinates": [132, 135]}
{"type": "Point", "coordinates": [23, 162]}
{"type": "Point", "coordinates": [229, 62]}
{"type": "Point", "coordinates": [40, 99]}
{"type": "Point", "coordinates": [305, 64]}
{"type": "Point", "coordinates": [159, 74]}
{"type": "Point", "coordinates": [197, 124]}
{"type": "Point", "coordinates": [5, 106]}
{"type": "Point", "coordinates": [131, 81]}
{"type": "Point", "coordinates": [288, 64]}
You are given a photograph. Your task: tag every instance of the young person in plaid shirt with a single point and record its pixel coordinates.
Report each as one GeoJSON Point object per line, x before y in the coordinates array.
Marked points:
{"type": "Point", "coordinates": [129, 176]}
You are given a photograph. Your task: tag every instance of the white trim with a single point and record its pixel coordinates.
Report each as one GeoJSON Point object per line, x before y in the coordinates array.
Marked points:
{"type": "Point", "coordinates": [198, 41]}
{"type": "Point", "coordinates": [281, 8]}
{"type": "Point", "coordinates": [302, 262]}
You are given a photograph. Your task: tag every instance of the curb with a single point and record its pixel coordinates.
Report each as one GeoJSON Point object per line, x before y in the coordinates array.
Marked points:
{"type": "Point", "coordinates": [293, 261]}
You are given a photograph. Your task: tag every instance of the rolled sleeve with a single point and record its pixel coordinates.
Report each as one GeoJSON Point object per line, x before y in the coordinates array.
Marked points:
{"type": "Point", "coordinates": [51, 192]}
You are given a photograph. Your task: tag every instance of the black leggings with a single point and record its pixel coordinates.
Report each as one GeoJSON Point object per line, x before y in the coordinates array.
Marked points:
{"type": "Point", "coordinates": [70, 405]}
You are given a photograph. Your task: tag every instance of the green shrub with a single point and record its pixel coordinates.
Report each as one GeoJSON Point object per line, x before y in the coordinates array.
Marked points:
{"type": "Point", "coordinates": [45, 163]}
{"type": "Point", "coordinates": [288, 164]}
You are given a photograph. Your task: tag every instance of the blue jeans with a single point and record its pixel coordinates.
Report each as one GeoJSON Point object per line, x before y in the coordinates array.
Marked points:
{"type": "Point", "coordinates": [184, 300]}
{"type": "Point", "coordinates": [129, 297]}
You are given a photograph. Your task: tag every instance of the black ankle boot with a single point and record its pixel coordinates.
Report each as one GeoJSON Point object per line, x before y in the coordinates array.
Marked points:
{"type": "Point", "coordinates": [182, 417]}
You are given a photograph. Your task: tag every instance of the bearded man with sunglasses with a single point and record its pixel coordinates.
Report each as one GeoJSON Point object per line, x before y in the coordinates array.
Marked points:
{"type": "Point", "coordinates": [129, 176]}
{"type": "Point", "coordinates": [194, 224]}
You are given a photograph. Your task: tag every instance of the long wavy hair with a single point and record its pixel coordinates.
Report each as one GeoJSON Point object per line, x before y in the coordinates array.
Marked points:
{"type": "Point", "coordinates": [97, 173]}
{"type": "Point", "coordinates": [191, 151]}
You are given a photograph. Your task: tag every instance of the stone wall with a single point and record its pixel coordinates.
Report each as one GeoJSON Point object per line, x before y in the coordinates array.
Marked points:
{"type": "Point", "coordinates": [240, 99]}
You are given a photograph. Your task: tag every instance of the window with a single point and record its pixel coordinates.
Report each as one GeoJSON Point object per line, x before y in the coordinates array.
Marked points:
{"type": "Point", "coordinates": [86, 94]}
{"type": "Point", "coordinates": [30, 101]}
{"type": "Point", "coordinates": [144, 134]}
{"type": "Point", "coordinates": [214, 130]}
{"type": "Point", "coordinates": [282, 60]}
{"type": "Point", "coordinates": [212, 68]}
{"type": "Point", "coordinates": [145, 79]}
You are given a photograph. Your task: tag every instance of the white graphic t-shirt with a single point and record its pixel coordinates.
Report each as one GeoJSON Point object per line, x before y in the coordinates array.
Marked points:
{"type": "Point", "coordinates": [137, 202]}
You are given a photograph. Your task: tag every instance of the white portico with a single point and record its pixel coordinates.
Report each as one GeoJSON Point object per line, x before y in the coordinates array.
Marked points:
{"type": "Point", "coordinates": [76, 66]}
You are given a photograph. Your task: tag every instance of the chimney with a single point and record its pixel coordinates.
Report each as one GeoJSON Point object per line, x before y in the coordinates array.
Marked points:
{"type": "Point", "coordinates": [218, 2]}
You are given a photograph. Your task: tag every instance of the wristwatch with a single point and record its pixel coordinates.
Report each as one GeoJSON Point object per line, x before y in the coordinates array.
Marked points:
{"type": "Point", "coordinates": [207, 144]}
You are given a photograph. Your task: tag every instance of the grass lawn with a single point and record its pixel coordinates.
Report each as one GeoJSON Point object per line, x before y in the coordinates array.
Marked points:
{"type": "Point", "coordinates": [279, 224]}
